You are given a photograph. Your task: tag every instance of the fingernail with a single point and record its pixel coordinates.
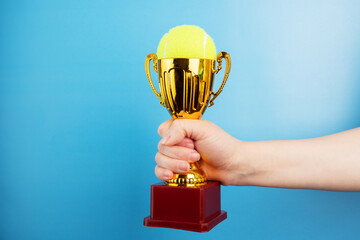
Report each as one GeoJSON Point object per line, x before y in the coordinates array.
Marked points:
{"type": "Point", "coordinates": [183, 166]}
{"type": "Point", "coordinates": [195, 156]}
{"type": "Point", "coordinates": [167, 175]}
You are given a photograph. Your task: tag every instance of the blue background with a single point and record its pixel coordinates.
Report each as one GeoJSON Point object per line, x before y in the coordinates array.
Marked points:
{"type": "Point", "coordinates": [78, 119]}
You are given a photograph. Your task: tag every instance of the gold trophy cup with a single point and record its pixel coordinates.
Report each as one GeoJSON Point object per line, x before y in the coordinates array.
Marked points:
{"type": "Point", "coordinates": [186, 90]}
{"type": "Point", "coordinates": [187, 201]}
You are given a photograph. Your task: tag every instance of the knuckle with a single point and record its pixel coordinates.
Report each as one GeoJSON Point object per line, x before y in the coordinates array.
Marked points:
{"type": "Point", "coordinates": [176, 123]}
{"type": "Point", "coordinates": [159, 146]}
{"type": "Point", "coordinates": [160, 129]}
{"type": "Point", "coordinates": [158, 172]}
{"type": "Point", "coordinates": [157, 157]}
{"type": "Point", "coordinates": [207, 122]}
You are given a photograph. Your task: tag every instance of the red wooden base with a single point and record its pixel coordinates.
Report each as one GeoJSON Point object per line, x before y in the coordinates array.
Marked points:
{"type": "Point", "coordinates": [193, 209]}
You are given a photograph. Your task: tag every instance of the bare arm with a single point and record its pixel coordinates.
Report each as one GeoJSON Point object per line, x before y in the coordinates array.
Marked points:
{"type": "Point", "coordinates": [328, 163]}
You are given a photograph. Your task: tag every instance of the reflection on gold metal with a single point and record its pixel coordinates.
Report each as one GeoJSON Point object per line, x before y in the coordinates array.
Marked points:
{"type": "Point", "coordinates": [186, 91]}
{"type": "Point", "coordinates": [194, 177]}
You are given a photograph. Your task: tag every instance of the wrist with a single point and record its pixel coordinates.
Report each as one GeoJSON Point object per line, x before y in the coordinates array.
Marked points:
{"type": "Point", "coordinates": [248, 165]}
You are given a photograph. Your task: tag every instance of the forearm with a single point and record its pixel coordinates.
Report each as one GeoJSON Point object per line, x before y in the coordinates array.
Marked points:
{"type": "Point", "coordinates": [329, 163]}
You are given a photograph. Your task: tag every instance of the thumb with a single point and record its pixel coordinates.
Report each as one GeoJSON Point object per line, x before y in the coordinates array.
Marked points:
{"type": "Point", "coordinates": [182, 128]}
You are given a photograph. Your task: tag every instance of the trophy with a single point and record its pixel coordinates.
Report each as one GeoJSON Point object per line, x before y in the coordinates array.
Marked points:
{"type": "Point", "coordinates": [187, 201]}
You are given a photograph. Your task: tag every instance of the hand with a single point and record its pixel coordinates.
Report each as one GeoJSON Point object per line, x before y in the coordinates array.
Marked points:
{"type": "Point", "coordinates": [184, 140]}
{"type": "Point", "coordinates": [333, 159]}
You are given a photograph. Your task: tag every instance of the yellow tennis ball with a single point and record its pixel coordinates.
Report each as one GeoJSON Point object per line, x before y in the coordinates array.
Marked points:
{"type": "Point", "coordinates": [186, 41]}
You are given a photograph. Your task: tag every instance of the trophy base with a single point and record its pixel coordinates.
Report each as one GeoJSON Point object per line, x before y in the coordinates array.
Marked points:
{"type": "Point", "coordinates": [195, 227]}
{"type": "Point", "coordinates": [187, 208]}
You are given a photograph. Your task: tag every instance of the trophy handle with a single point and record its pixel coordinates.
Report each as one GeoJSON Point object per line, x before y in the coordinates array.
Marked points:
{"type": "Point", "coordinates": [219, 58]}
{"type": "Point", "coordinates": [153, 56]}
